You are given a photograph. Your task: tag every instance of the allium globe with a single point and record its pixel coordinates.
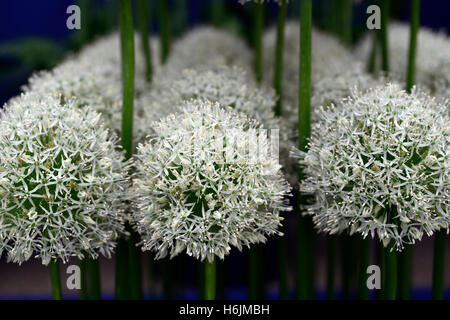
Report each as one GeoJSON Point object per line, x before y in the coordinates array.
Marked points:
{"type": "Point", "coordinates": [379, 164]}
{"type": "Point", "coordinates": [201, 187]}
{"type": "Point", "coordinates": [63, 182]}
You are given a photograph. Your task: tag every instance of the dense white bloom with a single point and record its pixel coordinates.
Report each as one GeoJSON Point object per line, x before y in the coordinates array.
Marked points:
{"type": "Point", "coordinates": [206, 47]}
{"type": "Point", "coordinates": [432, 57]}
{"type": "Point", "coordinates": [94, 77]}
{"type": "Point", "coordinates": [202, 186]}
{"type": "Point", "coordinates": [379, 164]}
{"type": "Point", "coordinates": [62, 181]}
{"type": "Point", "coordinates": [229, 86]}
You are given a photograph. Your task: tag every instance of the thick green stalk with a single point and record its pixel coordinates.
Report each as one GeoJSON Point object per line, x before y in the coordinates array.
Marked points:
{"type": "Point", "coordinates": [127, 54]}
{"type": "Point", "coordinates": [83, 291]}
{"type": "Point", "coordinates": [220, 279]}
{"type": "Point", "coordinates": [404, 273]}
{"type": "Point", "coordinates": [383, 34]}
{"type": "Point", "coordinates": [256, 287]}
{"type": "Point", "coordinates": [347, 21]}
{"type": "Point", "coordinates": [258, 34]}
{"type": "Point", "coordinates": [278, 75]}
{"type": "Point", "coordinates": [217, 12]}
{"type": "Point", "coordinates": [363, 292]}
{"type": "Point", "coordinates": [94, 280]}
{"type": "Point", "coordinates": [121, 286]}
{"type": "Point", "coordinates": [164, 32]}
{"type": "Point", "coordinates": [304, 131]}
{"type": "Point", "coordinates": [391, 274]}
{"type": "Point", "coordinates": [331, 266]}
{"type": "Point", "coordinates": [210, 280]}
{"type": "Point", "coordinates": [55, 279]}
{"type": "Point", "coordinates": [142, 21]}
{"type": "Point", "coordinates": [414, 27]}
{"type": "Point", "coordinates": [371, 63]}
{"type": "Point", "coordinates": [134, 266]}
{"type": "Point", "coordinates": [438, 265]}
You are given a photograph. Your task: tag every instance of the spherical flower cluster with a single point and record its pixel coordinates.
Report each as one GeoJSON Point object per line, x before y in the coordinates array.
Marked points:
{"type": "Point", "coordinates": [379, 164]}
{"type": "Point", "coordinates": [432, 57]}
{"type": "Point", "coordinates": [94, 77]}
{"type": "Point", "coordinates": [204, 48]}
{"type": "Point", "coordinates": [230, 87]}
{"type": "Point", "coordinates": [202, 187]}
{"type": "Point", "coordinates": [62, 181]}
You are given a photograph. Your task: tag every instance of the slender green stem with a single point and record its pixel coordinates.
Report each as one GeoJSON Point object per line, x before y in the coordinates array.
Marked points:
{"type": "Point", "coordinates": [94, 280]}
{"type": "Point", "coordinates": [404, 273]}
{"type": "Point", "coordinates": [383, 34]}
{"type": "Point", "coordinates": [220, 279]}
{"type": "Point", "coordinates": [363, 292]}
{"type": "Point", "coordinates": [381, 264]}
{"type": "Point", "coordinates": [83, 290]}
{"type": "Point", "coordinates": [278, 75]}
{"type": "Point", "coordinates": [164, 32]}
{"type": "Point", "coordinates": [258, 34]}
{"type": "Point", "coordinates": [414, 27]}
{"type": "Point", "coordinates": [438, 265]}
{"type": "Point", "coordinates": [134, 265]}
{"type": "Point", "coordinates": [282, 269]}
{"type": "Point", "coordinates": [217, 12]}
{"type": "Point", "coordinates": [371, 63]}
{"type": "Point", "coordinates": [331, 267]}
{"type": "Point", "coordinates": [210, 280]}
{"type": "Point", "coordinates": [55, 279]}
{"type": "Point", "coordinates": [391, 273]}
{"type": "Point", "coordinates": [304, 131]}
{"type": "Point", "coordinates": [347, 21]}
{"type": "Point", "coordinates": [142, 21]}
{"type": "Point", "coordinates": [255, 273]}
{"type": "Point", "coordinates": [121, 286]}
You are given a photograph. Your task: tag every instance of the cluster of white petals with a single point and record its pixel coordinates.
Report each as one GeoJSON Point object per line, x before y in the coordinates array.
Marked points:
{"type": "Point", "coordinates": [62, 181]}
{"type": "Point", "coordinates": [202, 187]}
{"type": "Point", "coordinates": [432, 57]}
{"type": "Point", "coordinates": [206, 47]}
{"type": "Point", "coordinates": [229, 86]}
{"type": "Point", "coordinates": [94, 78]}
{"type": "Point", "coordinates": [379, 164]}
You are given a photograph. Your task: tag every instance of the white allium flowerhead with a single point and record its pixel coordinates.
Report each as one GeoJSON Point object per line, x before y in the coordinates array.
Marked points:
{"type": "Point", "coordinates": [205, 47]}
{"type": "Point", "coordinates": [63, 182]}
{"type": "Point", "coordinates": [94, 77]}
{"type": "Point", "coordinates": [202, 187]}
{"type": "Point", "coordinates": [229, 86]}
{"type": "Point", "coordinates": [432, 56]}
{"type": "Point", "coordinates": [379, 164]}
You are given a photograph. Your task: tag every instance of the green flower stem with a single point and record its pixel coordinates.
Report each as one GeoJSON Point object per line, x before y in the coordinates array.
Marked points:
{"type": "Point", "coordinates": [390, 265]}
{"type": "Point", "coordinates": [55, 279]}
{"type": "Point", "coordinates": [278, 75]}
{"type": "Point", "coordinates": [127, 54]}
{"type": "Point", "coordinates": [142, 21]}
{"type": "Point", "coordinates": [83, 289]}
{"type": "Point", "coordinates": [373, 54]}
{"type": "Point", "coordinates": [220, 279]}
{"type": "Point", "coordinates": [391, 273]}
{"type": "Point", "coordinates": [438, 265]}
{"type": "Point", "coordinates": [383, 34]}
{"type": "Point", "coordinates": [256, 287]}
{"type": "Point", "coordinates": [404, 273]}
{"type": "Point", "coordinates": [258, 34]}
{"type": "Point", "coordinates": [121, 286]}
{"type": "Point", "coordinates": [363, 292]}
{"type": "Point", "coordinates": [346, 21]}
{"type": "Point", "coordinates": [94, 280]}
{"type": "Point", "coordinates": [164, 33]}
{"type": "Point", "coordinates": [304, 131]}
{"type": "Point", "coordinates": [414, 27]}
{"type": "Point", "coordinates": [210, 280]}
{"type": "Point", "coordinates": [380, 261]}
{"type": "Point", "coordinates": [167, 279]}
{"type": "Point", "coordinates": [134, 266]}
{"type": "Point", "coordinates": [331, 266]}
{"type": "Point", "coordinates": [217, 12]}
